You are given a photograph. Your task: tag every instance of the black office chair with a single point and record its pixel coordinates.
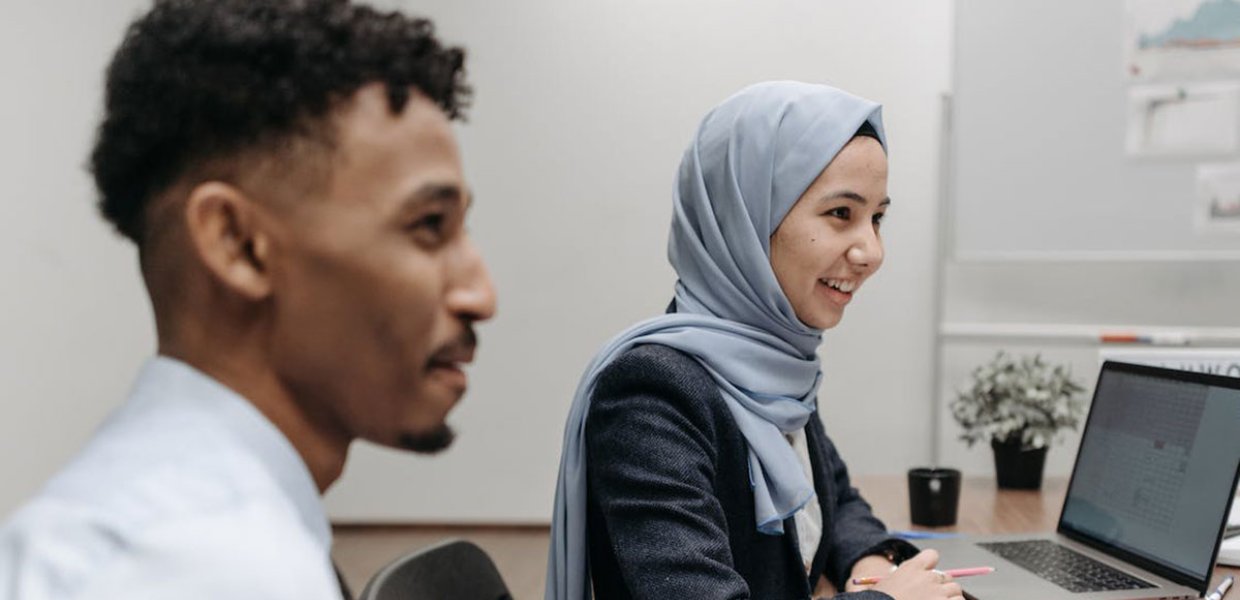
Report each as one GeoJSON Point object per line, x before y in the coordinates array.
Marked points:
{"type": "Point", "coordinates": [452, 570]}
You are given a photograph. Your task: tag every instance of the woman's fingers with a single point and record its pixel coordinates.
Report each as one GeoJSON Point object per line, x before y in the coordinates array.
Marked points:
{"type": "Point", "coordinates": [917, 579]}
{"type": "Point", "coordinates": [926, 559]}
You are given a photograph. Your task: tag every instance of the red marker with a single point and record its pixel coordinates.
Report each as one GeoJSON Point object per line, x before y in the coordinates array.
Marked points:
{"type": "Point", "coordinates": [1157, 339]}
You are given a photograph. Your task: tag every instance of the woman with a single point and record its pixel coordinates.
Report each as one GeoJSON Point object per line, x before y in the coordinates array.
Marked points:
{"type": "Point", "coordinates": [694, 463]}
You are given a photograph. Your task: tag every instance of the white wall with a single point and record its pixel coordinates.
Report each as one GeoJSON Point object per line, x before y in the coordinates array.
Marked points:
{"type": "Point", "coordinates": [581, 113]}
{"type": "Point", "coordinates": [73, 315]}
{"type": "Point", "coordinates": [583, 110]}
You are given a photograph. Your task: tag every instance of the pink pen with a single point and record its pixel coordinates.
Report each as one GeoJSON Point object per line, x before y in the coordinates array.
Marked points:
{"type": "Point", "coordinates": [954, 573]}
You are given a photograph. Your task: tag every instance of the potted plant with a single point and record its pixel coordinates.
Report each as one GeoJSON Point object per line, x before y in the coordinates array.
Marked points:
{"type": "Point", "coordinates": [1020, 405]}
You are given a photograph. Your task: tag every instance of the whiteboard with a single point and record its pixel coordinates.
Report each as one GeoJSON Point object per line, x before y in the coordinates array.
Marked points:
{"type": "Point", "coordinates": [1038, 167]}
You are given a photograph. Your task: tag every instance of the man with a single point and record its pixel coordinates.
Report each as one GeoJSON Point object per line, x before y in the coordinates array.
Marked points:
{"type": "Point", "coordinates": [288, 173]}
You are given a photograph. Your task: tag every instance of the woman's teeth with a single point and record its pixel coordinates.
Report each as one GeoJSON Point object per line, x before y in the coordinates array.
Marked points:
{"type": "Point", "coordinates": [842, 285]}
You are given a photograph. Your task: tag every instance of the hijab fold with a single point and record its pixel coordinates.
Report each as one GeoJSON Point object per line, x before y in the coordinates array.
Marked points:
{"type": "Point", "coordinates": [753, 156]}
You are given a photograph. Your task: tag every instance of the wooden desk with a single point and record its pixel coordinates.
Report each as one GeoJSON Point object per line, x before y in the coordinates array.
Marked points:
{"type": "Point", "coordinates": [983, 508]}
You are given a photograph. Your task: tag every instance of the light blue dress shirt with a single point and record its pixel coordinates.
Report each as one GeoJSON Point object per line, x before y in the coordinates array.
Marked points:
{"type": "Point", "coordinates": [185, 492]}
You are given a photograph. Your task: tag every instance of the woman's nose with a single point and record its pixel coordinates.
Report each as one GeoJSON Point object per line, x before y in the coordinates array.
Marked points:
{"type": "Point", "coordinates": [866, 252]}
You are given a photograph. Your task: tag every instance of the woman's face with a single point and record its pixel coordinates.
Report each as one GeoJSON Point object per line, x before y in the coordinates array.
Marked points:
{"type": "Point", "coordinates": [829, 244]}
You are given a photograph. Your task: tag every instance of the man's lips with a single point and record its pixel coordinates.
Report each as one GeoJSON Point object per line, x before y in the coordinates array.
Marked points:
{"type": "Point", "coordinates": [452, 374]}
{"type": "Point", "coordinates": [450, 361]}
{"type": "Point", "coordinates": [452, 358]}
{"type": "Point", "coordinates": [457, 351]}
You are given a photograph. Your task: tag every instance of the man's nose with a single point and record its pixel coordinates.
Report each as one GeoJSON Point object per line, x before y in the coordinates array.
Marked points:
{"type": "Point", "coordinates": [472, 295]}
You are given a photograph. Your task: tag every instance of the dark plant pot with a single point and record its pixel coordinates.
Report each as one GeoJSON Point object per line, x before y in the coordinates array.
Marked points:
{"type": "Point", "coordinates": [1018, 468]}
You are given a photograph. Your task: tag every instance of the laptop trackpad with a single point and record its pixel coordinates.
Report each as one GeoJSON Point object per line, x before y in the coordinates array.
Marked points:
{"type": "Point", "coordinates": [1008, 582]}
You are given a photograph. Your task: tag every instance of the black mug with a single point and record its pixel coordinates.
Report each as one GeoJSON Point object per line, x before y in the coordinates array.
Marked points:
{"type": "Point", "coordinates": [933, 495]}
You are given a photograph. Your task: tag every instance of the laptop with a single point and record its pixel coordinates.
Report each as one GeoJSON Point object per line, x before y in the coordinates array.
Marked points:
{"type": "Point", "coordinates": [1147, 503]}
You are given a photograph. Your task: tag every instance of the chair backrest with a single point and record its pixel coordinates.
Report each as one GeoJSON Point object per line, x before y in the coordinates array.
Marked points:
{"type": "Point", "coordinates": [452, 570]}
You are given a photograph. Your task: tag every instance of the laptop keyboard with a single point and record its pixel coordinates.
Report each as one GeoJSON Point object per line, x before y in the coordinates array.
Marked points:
{"type": "Point", "coordinates": [1064, 567]}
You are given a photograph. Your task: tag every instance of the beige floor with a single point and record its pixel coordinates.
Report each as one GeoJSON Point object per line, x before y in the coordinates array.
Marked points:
{"type": "Point", "coordinates": [519, 552]}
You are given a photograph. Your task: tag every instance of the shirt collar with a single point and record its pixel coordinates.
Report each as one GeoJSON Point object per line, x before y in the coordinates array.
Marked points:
{"type": "Point", "coordinates": [252, 429]}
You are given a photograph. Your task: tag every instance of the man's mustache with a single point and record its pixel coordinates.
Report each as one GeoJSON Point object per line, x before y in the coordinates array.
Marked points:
{"type": "Point", "coordinates": [459, 350]}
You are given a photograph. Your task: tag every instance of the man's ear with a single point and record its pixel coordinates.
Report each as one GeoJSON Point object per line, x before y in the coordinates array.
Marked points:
{"type": "Point", "coordinates": [228, 238]}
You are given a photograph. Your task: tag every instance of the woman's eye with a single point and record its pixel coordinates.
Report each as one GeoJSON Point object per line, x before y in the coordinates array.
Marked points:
{"type": "Point", "coordinates": [878, 219]}
{"type": "Point", "coordinates": [841, 212]}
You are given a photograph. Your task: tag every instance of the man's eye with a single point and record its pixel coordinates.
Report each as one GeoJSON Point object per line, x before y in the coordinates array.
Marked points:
{"type": "Point", "coordinates": [430, 229]}
{"type": "Point", "coordinates": [432, 223]}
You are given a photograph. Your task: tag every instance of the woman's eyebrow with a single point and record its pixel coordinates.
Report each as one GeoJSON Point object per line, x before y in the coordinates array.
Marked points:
{"type": "Point", "coordinates": [855, 197]}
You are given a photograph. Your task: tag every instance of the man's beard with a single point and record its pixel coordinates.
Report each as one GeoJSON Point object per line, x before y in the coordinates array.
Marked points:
{"type": "Point", "coordinates": [428, 442]}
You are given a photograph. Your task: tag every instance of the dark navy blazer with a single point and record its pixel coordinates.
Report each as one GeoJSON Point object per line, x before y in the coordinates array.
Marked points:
{"type": "Point", "coordinates": [670, 508]}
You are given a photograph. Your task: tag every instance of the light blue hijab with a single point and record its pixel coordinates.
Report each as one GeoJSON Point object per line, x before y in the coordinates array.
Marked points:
{"type": "Point", "coordinates": [753, 157]}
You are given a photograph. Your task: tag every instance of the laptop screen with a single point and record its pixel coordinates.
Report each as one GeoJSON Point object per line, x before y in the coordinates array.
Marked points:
{"type": "Point", "coordinates": [1156, 465]}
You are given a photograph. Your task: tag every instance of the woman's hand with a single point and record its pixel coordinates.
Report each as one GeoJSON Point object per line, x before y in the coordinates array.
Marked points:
{"type": "Point", "coordinates": [916, 579]}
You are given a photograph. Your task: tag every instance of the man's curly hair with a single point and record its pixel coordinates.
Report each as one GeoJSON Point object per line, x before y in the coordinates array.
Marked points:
{"type": "Point", "coordinates": [196, 83]}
